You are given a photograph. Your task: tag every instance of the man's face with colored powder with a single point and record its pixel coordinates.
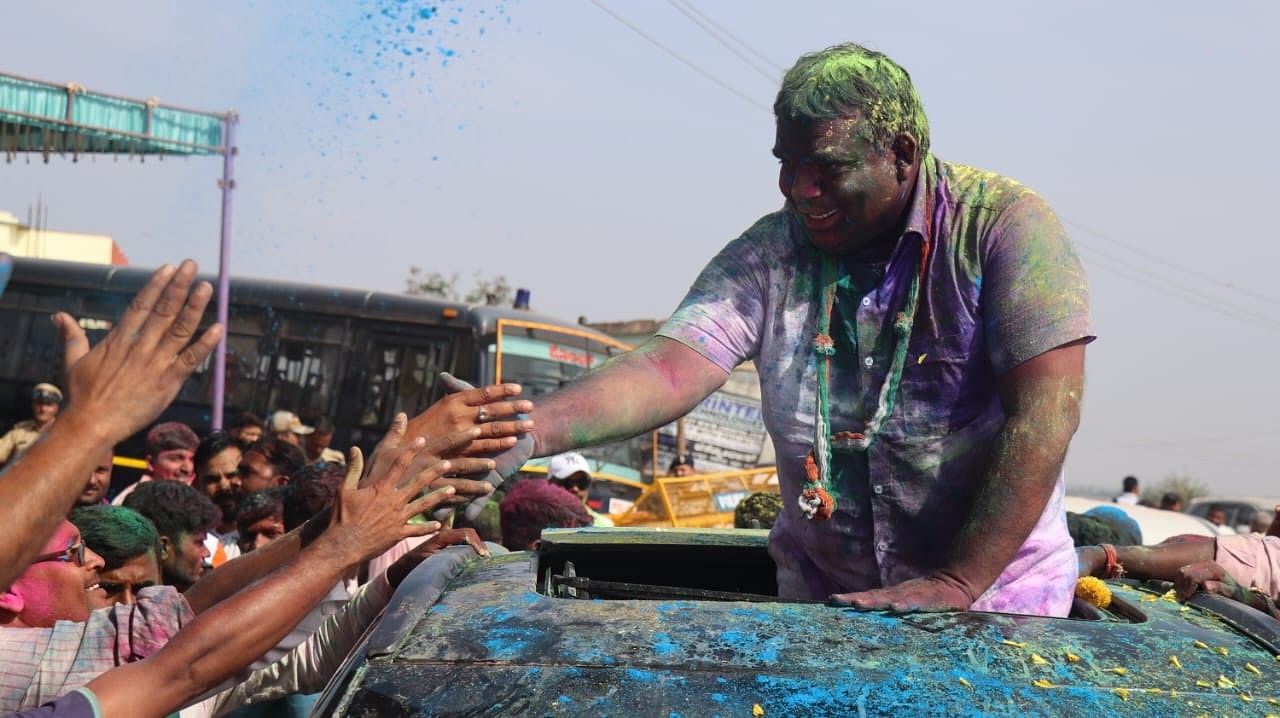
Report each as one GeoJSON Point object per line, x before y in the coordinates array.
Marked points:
{"type": "Point", "coordinates": [173, 465]}
{"type": "Point", "coordinates": [845, 191]}
{"type": "Point", "coordinates": [121, 584]}
{"type": "Point", "coordinates": [55, 587]}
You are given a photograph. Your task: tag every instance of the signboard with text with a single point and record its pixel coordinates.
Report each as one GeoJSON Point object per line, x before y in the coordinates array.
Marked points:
{"type": "Point", "coordinates": [724, 432]}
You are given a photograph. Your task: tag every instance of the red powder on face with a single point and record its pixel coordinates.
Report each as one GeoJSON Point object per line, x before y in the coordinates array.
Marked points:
{"type": "Point", "coordinates": [55, 590]}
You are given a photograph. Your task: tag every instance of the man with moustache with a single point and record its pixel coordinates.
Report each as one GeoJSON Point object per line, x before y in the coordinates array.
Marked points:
{"type": "Point", "coordinates": [919, 329]}
{"type": "Point", "coordinates": [217, 461]}
{"type": "Point", "coordinates": [95, 490]}
{"type": "Point", "coordinates": [182, 517]}
{"type": "Point", "coordinates": [52, 643]}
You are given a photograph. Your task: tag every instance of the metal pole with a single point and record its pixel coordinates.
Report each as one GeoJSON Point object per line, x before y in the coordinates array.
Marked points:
{"type": "Point", "coordinates": [224, 268]}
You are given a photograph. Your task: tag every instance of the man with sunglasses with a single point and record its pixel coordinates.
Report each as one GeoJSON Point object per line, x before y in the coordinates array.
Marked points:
{"type": "Point", "coordinates": [571, 472]}
{"type": "Point", "coordinates": [50, 643]}
{"type": "Point", "coordinates": [55, 586]}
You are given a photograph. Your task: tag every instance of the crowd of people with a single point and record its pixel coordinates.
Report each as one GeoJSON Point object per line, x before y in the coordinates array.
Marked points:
{"type": "Point", "coordinates": [919, 328]}
{"type": "Point", "coordinates": [119, 607]}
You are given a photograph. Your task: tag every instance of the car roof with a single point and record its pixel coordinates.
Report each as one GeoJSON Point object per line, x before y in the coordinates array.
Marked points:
{"type": "Point", "coordinates": [1266, 504]}
{"type": "Point", "coordinates": [1156, 524]}
{"type": "Point", "coordinates": [492, 645]}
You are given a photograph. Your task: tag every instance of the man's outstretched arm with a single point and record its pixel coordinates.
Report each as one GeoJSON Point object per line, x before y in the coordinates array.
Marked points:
{"type": "Point", "coordinates": [114, 390]}
{"type": "Point", "coordinates": [365, 521]}
{"type": "Point", "coordinates": [641, 390]}
{"type": "Point", "coordinates": [1041, 400]}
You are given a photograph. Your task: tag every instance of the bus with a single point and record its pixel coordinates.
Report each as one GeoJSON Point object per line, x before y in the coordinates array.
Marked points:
{"type": "Point", "coordinates": [357, 357]}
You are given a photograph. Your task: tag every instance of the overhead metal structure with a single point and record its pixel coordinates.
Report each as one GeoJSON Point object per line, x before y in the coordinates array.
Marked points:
{"type": "Point", "coordinates": [67, 119]}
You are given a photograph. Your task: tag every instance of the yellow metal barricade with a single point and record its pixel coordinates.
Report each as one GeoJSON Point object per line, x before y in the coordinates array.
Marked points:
{"type": "Point", "coordinates": [698, 501]}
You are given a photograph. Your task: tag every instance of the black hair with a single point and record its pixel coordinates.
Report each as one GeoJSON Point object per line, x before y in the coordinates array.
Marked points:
{"type": "Point", "coordinates": [310, 491]}
{"type": "Point", "coordinates": [173, 507]}
{"type": "Point", "coordinates": [246, 419]}
{"type": "Point", "coordinates": [259, 505]}
{"type": "Point", "coordinates": [287, 459]}
{"type": "Point", "coordinates": [212, 445]}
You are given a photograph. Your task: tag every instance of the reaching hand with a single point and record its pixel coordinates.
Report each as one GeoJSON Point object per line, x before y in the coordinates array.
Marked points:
{"type": "Point", "coordinates": [467, 406]}
{"type": "Point", "coordinates": [453, 446]}
{"type": "Point", "coordinates": [124, 383]}
{"type": "Point", "coordinates": [370, 515]}
{"type": "Point", "coordinates": [932, 593]}
{"type": "Point", "coordinates": [403, 566]}
{"type": "Point", "coordinates": [508, 442]}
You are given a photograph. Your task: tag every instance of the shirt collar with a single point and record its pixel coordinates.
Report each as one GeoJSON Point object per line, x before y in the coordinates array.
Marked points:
{"type": "Point", "coordinates": [920, 214]}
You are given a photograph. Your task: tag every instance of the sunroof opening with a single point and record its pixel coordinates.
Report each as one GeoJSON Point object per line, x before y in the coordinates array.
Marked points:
{"type": "Point", "coordinates": [656, 571]}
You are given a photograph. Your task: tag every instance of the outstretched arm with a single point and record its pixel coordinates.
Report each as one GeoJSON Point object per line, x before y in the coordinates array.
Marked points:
{"type": "Point", "coordinates": [641, 390]}
{"type": "Point", "coordinates": [1041, 400]}
{"type": "Point", "coordinates": [114, 390]}
{"type": "Point", "coordinates": [232, 576]}
{"type": "Point", "coordinates": [365, 520]}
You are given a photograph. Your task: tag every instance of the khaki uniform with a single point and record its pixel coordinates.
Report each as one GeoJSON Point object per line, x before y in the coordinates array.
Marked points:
{"type": "Point", "coordinates": [22, 435]}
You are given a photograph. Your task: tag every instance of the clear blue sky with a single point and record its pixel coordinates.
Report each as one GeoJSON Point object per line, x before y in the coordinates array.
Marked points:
{"type": "Point", "coordinates": [548, 142]}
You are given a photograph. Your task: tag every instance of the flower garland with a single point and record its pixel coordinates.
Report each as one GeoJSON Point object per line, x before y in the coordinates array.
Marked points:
{"type": "Point", "coordinates": [816, 500]}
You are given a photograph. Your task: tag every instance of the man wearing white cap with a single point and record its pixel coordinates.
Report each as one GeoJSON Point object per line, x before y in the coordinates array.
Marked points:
{"type": "Point", "coordinates": [45, 400]}
{"type": "Point", "coordinates": [571, 472]}
{"type": "Point", "coordinates": [287, 427]}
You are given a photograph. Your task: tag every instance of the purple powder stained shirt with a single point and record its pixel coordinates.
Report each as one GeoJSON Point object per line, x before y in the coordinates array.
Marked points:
{"type": "Point", "coordinates": [40, 664]}
{"type": "Point", "coordinates": [1002, 285]}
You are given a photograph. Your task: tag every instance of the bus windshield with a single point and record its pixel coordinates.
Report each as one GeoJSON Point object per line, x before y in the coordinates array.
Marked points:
{"type": "Point", "coordinates": [542, 359]}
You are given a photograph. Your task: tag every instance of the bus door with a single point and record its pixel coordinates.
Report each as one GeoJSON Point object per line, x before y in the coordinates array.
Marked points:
{"type": "Point", "coordinates": [392, 373]}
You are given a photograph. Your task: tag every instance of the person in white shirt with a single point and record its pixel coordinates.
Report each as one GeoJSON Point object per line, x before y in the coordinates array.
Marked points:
{"type": "Point", "coordinates": [1131, 494]}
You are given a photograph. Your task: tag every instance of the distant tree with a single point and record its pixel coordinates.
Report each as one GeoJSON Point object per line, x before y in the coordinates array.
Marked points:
{"type": "Point", "coordinates": [491, 291]}
{"type": "Point", "coordinates": [1176, 482]}
{"type": "Point", "coordinates": [431, 284]}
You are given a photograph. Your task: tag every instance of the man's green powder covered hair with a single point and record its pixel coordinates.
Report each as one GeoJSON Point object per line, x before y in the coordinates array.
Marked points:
{"type": "Point", "coordinates": [850, 80]}
{"type": "Point", "coordinates": [115, 533]}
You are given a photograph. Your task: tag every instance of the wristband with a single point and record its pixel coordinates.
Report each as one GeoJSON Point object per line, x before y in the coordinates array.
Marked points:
{"type": "Point", "coordinates": [1114, 568]}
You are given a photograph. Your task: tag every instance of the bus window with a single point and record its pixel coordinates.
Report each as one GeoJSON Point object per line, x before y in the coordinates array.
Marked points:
{"type": "Point", "coordinates": [401, 377]}
{"type": "Point", "coordinates": [544, 364]}
{"type": "Point", "coordinates": [250, 337]}
{"type": "Point", "coordinates": [302, 376]}
{"type": "Point", "coordinates": [41, 351]}
{"type": "Point", "coordinates": [14, 324]}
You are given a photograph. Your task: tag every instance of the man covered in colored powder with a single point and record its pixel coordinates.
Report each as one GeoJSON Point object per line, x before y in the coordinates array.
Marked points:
{"type": "Point", "coordinates": [919, 328]}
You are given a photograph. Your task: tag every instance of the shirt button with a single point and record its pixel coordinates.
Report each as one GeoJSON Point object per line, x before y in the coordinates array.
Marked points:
{"type": "Point", "coordinates": [882, 546]}
{"type": "Point", "coordinates": [868, 362]}
{"type": "Point", "coordinates": [878, 489]}
{"type": "Point", "coordinates": [866, 301]}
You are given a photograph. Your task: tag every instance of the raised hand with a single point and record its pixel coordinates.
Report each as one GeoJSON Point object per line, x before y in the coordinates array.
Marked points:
{"type": "Point", "coordinates": [372, 513]}
{"type": "Point", "coordinates": [114, 390]}
{"type": "Point", "coordinates": [489, 407]}
{"type": "Point", "coordinates": [506, 441]}
{"type": "Point", "coordinates": [124, 382]}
